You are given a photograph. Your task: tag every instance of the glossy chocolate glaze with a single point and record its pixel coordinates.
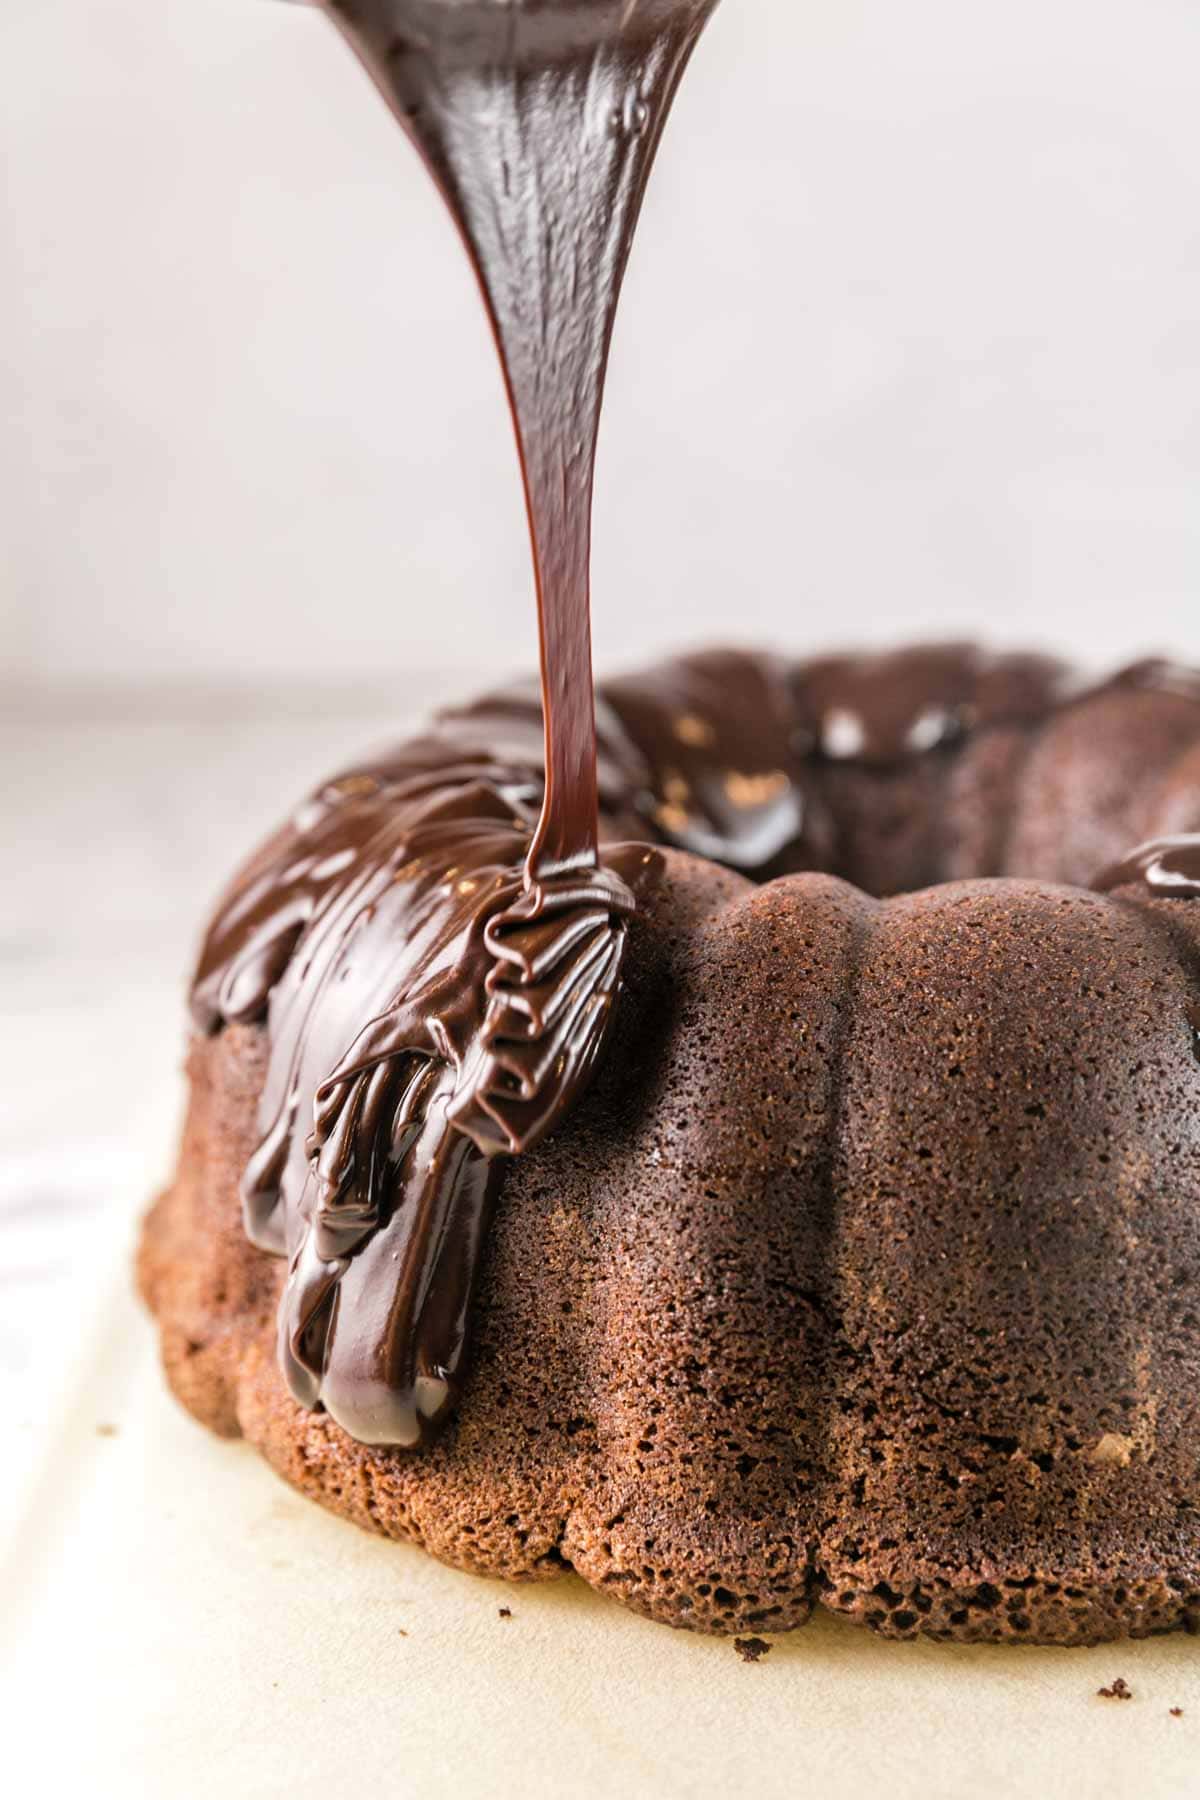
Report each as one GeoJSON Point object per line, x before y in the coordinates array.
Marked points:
{"type": "Point", "coordinates": [880, 709]}
{"type": "Point", "coordinates": [430, 1010]}
{"type": "Point", "coordinates": [1168, 868]}
{"type": "Point", "coordinates": [539, 122]}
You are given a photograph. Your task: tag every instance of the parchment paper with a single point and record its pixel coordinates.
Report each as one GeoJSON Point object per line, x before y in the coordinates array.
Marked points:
{"type": "Point", "coordinates": [177, 1623]}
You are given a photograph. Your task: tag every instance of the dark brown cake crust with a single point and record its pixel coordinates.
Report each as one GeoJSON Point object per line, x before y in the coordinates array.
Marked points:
{"type": "Point", "coordinates": [861, 1278]}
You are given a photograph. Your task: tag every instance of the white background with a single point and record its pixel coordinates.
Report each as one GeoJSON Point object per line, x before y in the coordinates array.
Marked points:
{"type": "Point", "coordinates": [911, 342]}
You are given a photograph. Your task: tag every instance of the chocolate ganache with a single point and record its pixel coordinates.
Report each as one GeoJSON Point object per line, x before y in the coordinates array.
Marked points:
{"type": "Point", "coordinates": [1169, 867]}
{"type": "Point", "coordinates": [539, 123]}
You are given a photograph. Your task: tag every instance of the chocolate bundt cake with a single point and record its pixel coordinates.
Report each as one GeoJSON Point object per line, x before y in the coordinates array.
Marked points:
{"type": "Point", "coordinates": [800, 1210]}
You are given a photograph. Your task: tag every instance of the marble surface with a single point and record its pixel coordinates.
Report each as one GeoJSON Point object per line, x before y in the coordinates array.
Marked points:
{"type": "Point", "coordinates": [120, 821]}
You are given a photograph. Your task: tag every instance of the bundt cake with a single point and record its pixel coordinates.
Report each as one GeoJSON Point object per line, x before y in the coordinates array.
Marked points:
{"type": "Point", "coordinates": [802, 1209]}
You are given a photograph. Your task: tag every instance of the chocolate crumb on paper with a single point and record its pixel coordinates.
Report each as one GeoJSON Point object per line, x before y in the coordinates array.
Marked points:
{"type": "Point", "coordinates": [1177, 1712]}
{"type": "Point", "coordinates": [1120, 1690]}
{"type": "Point", "coordinates": [506, 1612]}
{"type": "Point", "coordinates": [751, 1649]}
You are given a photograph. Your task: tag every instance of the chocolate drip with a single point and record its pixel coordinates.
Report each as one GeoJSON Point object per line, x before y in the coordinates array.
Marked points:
{"type": "Point", "coordinates": [430, 1010]}
{"type": "Point", "coordinates": [539, 124]}
{"type": "Point", "coordinates": [1168, 867]}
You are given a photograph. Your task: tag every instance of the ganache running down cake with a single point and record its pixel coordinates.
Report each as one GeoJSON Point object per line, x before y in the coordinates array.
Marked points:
{"type": "Point", "coordinates": [744, 1239]}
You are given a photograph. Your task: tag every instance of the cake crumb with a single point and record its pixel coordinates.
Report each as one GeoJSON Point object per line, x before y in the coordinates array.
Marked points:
{"type": "Point", "coordinates": [106, 1431]}
{"type": "Point", "coordinates": [1120, 1690]}
{"type": "Point", "coordinates": [1113, 1448]}
{"type": "Point", "coordinates": [401, 1632]}
{"type": "Point", "coordinates": [1177, 1712]}
{"type": "Point", "coordinates": [751, 1649]}
{"type": "Point", "coordinates": [506, 1612]}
